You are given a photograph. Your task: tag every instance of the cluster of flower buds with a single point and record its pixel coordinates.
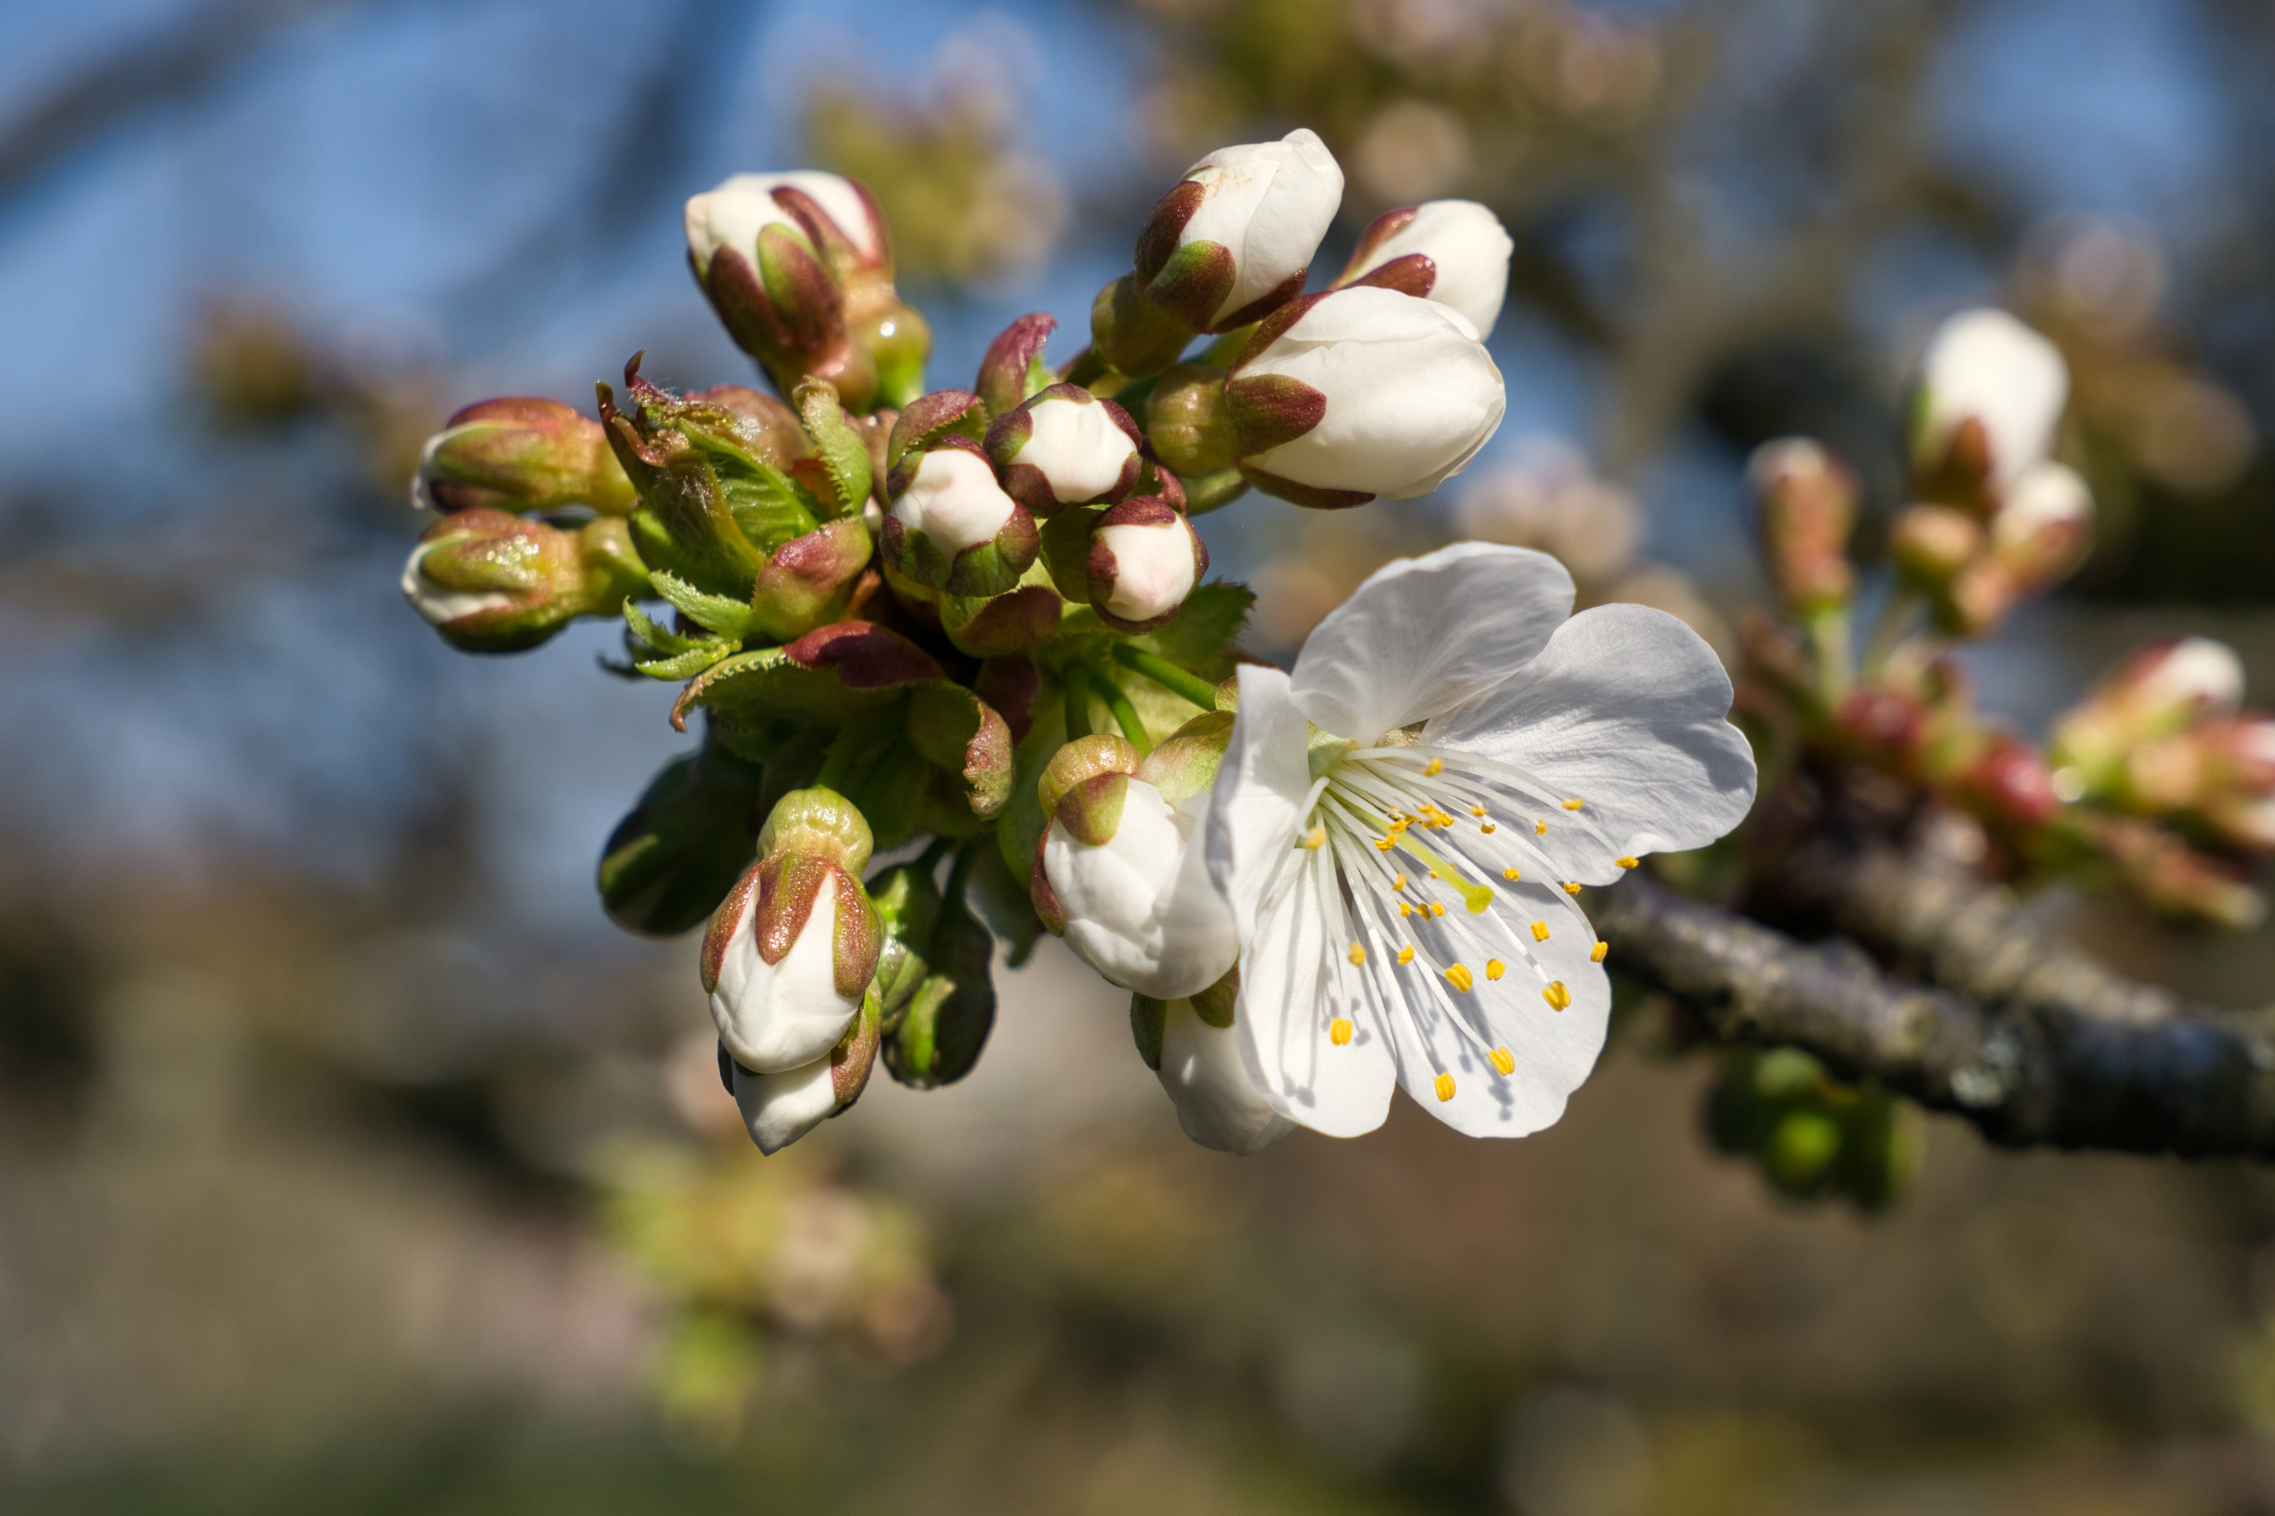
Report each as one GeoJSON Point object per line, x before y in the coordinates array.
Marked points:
{"type": "Point", "coordinates": [1919, 724]}
{"type": "Point", "coordinates": [1996, 520]}
{"type": "Point", "coordinates": [799, 267]}
{"type": "Point", "coordinates": [1807, 502]}
{"type": "Point", "coordinates": [1380, 386]}
{"type": "Point", "coordinates": [2163, 735]}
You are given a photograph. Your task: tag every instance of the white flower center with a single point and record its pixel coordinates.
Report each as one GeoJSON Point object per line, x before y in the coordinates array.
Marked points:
{"type": "Point", "coordinates": [1440, 883]}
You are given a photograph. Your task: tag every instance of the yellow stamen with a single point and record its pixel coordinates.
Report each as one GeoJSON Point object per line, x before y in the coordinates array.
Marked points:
{"type": "Point", "coordinates": [1596, 954]}
{"type": "Point", "coordinates": [1540, 931]}
{"type": "Point", "coordinates": [1458, 976]}
{"type": "Point", "coordinates": [1574, 803]}
{"type": "Point", "coordinates": [1511, 875]}
{"type": "Point", "coordinates": [1433, 873]}
{"type": "Point", "coordinates": [1445, 1081]}
{"type": "Point", "coordinates": [1487, 828]}
{"type": "Point", "coordinates": [1398, 827]}
{"type": "Point", "coordinates": [1404, 909]}
{"type": "Point", "coordinates": [1406, 954]}
{"type": "Point", "coordinates": [1477, 810]}
{"type": "Point", "coordinates": [1540, 828]}
{"type": "Point", "coordinates": [1316, 838]}
{"type": "Point", "coordinates": [1358, 956]}
{"type": "Point", "coordinates": [1339, 1031]}
{"type": "Point", "coordinates": [1436, 909]}
{"type": "Point", "coordinates": [1433, 768]}
{"type": "Point", "coordinates": [1385, 844]}
{"type": "Point", "coordinates": [1625, 863]}
{"type": "Point", "coordinates": [1556, 995]}
{"type": "Point", "coordinates": [1572, 887]}
{"type": "Point", "coordinates": [1399, 883]}
{"type": "Point", "coordinates": [1495, 968]}
{"type": "Point", "coordinates": [1504, 1062]}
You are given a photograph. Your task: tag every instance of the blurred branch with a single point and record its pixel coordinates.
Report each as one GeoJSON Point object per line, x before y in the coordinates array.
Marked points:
{"type": "Point", "coordinates": [2034, 1044]}
{"type": "Point", "coordinates": [173, 62]}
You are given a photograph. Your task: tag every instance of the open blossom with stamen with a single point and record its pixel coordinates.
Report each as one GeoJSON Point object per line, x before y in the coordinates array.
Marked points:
{"type": "Point", "coordinates": [1401, 826]}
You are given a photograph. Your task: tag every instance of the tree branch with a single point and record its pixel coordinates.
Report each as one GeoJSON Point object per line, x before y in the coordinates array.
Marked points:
{"type": "Point", "coordinates": [2058, 1052]}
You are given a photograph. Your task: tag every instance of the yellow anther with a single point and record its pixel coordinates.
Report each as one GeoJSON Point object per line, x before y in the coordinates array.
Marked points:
{"type": "Point", "coordinates": [1433, 768]}
{"type": "Point", "coordinates": [1477, 810]}
{"type": "Point", "coordinates": [1556, 995]}
{"type": "Point", "coordinates": [1487, 828]}
{"type": "Point", "coordinates": [1511, 875]}
{"type": "Point", "coordinates": [1339, 1031]}
{"type": "Point", "coordinates": [1574, 803]}
{"type": "Point", "coordinates": [1316, 838]}
{"type": "Point", "coordinates": [1358, 955]}
{"type": "Point", "coordinates": [1458, 976]}
{"type": "Point", "coordinates": [1540, 931]}
{"type": "Point", "coordinates": [1625, 863]}
{"type": "Point", "coordinates": [1495, 968]}
{"type": "Point", "coordinates": [1437, 909]}
{"type": "Point", "coordinates": [1399, 883]}
{"type": "Point", "coordinates": [1433, 873]}
{"type": "Point", "coordinates": [1596, 954]}
{"type": "Point", "coordinates": [1571, 886]}
{"type": "Point", "coordinates": [1540, 828]}
{"type": "Point", "coordinates": [1404, 909]}
{"type": "Point", "coordinates": [1406, 954]}
{"type": "Point", "coordinates": [1398, 827]}
{"type": "Point", "coordinates": [1445, 1086]}
{"type": "Point", "coordinates": [1504, 1062]}
{"type": "Point", "coordinates": [1385, 844]}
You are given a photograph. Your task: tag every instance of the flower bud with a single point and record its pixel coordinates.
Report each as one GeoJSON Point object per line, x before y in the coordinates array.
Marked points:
{"type": "Point", "coordinates": [780, 1107]}
{"type": "Point", "coordinates": [1930, 543]}
{"type": "Point", "coordinates": [1013, 367]}
{"type": "Point", "coordinates": [1144, 560]}
{"type": "Point", "coordinates": [794, 946]}
{"type": "Point", "coordinates": [1991, 391]}
{"type": "Point", "coordinates": [1197, 1058]}
{"type": "Point", "coordinates": [1808, 508]}
{"type": "Point", "coordinates": [2165, 688]}
{"type": "Point", "coordinates": [759, 264]}
{"type": "Point", "coordinates": [520, 454]}
{"type": "Point", "coordinates": [1233, 241]}
{"type": "Point", "coordinates": [1361, 392]}
{"type": "Point", "coordinates": [1120, 873]}
{"type": "Point", "coordinates": [672, 860]}
{"type": "Point", "coordinates": [2176, 879]}
{"type": "Point", "coordinates": [939, 1039]}
{"type": "Point", "coordinates": [1455, 252]}
{"type": "Point", "coordinates": [2043, 528]}
{"type": "Point", "coordinates": [1065, 446]}
{"type": "Point", "coordinates": [492, 582]}
{"type": "Point", "coordinates": [950, 525]}
{"type": "Point", "coordinates": [1185, 420]}
{"type": "Point", "coordinates": [2008, 783]}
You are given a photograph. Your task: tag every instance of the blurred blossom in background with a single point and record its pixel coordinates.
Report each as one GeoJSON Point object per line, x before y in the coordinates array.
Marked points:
{"type": "Point", "coordinates": [349, 1159]}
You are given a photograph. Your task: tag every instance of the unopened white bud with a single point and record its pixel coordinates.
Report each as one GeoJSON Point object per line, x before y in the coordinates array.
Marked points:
{"type": "Point", "coordinates": [1268, 204]}
{"type": "Point", "coordinates": [1081, 450]}
{"type": "Point", "coordinates": [1468, 251]}
{"type": "Point", "coordinates": [780, 1108]}
{"type": "Point", "coordinates": [1140, 908]}
{"type": "Point", "coordinates": [1218, 1105]}
{"type": "Point", "coordinates": [1985, 366]}
{"type": "Point", "coordinates": [954, 500]}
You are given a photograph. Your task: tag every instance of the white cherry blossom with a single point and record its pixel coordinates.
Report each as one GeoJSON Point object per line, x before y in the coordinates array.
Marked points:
{"type": "Point", "coordinates": [1402, 823]}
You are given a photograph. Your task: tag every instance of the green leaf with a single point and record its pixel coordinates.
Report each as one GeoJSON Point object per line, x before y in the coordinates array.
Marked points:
{"type": "Point", "coordinates": [719, 613]}
{"type": "Point", "coordinates": [843, 454]}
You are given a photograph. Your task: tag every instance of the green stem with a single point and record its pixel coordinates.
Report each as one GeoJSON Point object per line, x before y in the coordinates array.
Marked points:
{"type": "Point", "coordinates": [1829, 636]}
{"type": "Point", "coordinates": [1085, 368]}
{"type": "Point", "coordinates": [1211, 492]}
{"type": "Point", "coordinates": [1077, 680]}
{"type": "Point", "coordinates": [1125, 714]}
{"type": "Point", "coordinates": [1895, 625]}
{"type": "Point", "coordinates": [1166, 674]}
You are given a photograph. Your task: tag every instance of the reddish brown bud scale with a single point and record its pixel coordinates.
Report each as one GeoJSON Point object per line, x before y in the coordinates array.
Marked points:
{"type": "Point", "coordinates": [1012, 362]}
{"type": "Point", "coordinates": [937, 417]}
{"type": "Point", "coordinates": [1415, 274]}
{"type": "Point", "coordinates": [1011, 685]}
{"type": "Point", "coordinates": [724, 920]}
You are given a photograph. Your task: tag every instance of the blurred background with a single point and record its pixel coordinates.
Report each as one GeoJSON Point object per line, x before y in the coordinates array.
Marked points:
{"type": "Point", "coordinates": [350, 1160]}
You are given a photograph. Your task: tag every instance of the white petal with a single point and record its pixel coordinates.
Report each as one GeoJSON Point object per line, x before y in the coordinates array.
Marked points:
{"type": "Point", "coordinates": [732, 215]}
{"type": "Point", "coordinates": [1153, 567]}
{"type": "Point", "coordinates": [1217, 1104]}
{"type": "Point", "coordinates": [1288, 967]}
{"type": "Point", "coordinates": [1268, 203]}
{"type": "Point", "coordinates": [839, 201]}
{"type": "Point", "coordinates": [1554, 1050]}
{"type": "Point", "coordinates": [776, 1016]}
{"type": "Point", "coordinates": [1624, 711]}
{"type": "Point", "coordinates": [439, 606]}
{"type": "Point", "coordinates": [1424, 635]}
{"type": "Point", "coordinates": [1142, 909]}
{"type": "Point", "coordinates": [1256, 805]}
{"type": "Point", "coordinates": [778, 1109]}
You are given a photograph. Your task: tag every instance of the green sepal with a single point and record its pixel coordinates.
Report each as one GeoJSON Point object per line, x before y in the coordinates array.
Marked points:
{"type": "Point", "coordinates": [1003, 903]}
{"type": "Point", "coordinates": [907, 903]}
{"type": "Point", "coordinates": [669, 863]}
{"type": "Point", "coordinates": [946, 1025]}
{"type": "Point", "coordinates": [717, 613]}
{"type": "Point", "coordinates": [844, 454]}
{"type": "Point", "coordinates": [1149, 1020]}
{"type": "Point", "coordinates": [680, 657]}
{"type": "Point", "coordinates": [1207, 625]}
